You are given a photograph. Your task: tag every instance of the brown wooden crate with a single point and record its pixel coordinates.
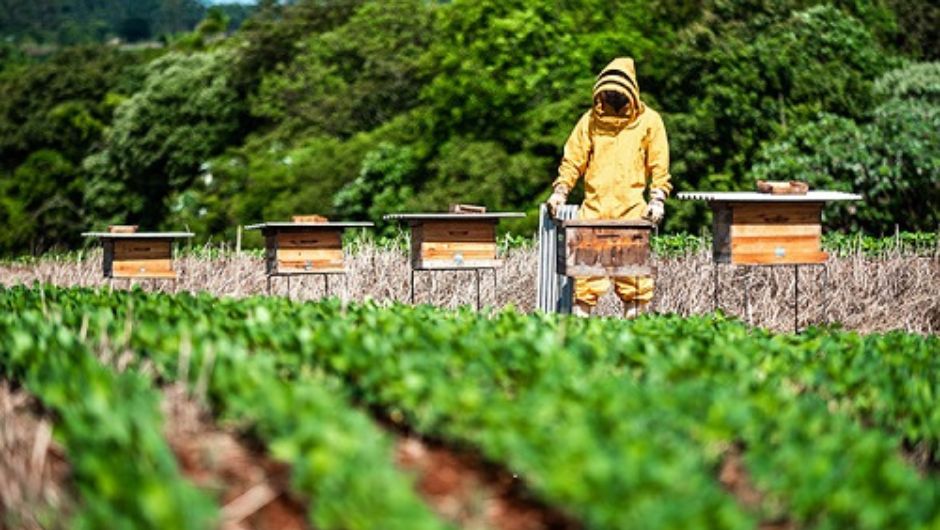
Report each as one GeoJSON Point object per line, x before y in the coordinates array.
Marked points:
{"type": "Point", "coordinates": [604, 251]}
{"type": "Point", "coordinates": [771, 258]}
{"type": "Point", "coordinates": [776, 230]}
{"type": "Point", "coordinates": [310, 218]}
{"type": "Point", "coordinates": [317, 238]}
{"type": "Point", "coordinates": [143, 268]}
{"type": "Point", "coordinates": [142, 249]}
{"type": "Point", "coordinates": [458, 231]}
{"type": "Point", "coordinates": [776, 213]}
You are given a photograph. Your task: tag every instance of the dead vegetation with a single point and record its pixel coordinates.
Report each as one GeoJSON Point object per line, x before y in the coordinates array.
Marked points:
{"type": "Point", "coordinates": [34, 485]}
{"type": "Point", "coordinates": [868, 294]}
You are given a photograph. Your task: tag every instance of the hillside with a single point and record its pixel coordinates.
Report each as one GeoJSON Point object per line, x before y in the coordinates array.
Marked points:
{"type": "Point", "coordinates": [355, 108]}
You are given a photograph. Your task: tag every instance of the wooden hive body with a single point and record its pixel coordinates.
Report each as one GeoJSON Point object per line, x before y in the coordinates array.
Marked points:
{"type": "Point", "coordinates": [304, 250]}
{"type": "Point", "coordinates": [454, 244]}
{"type": "Point", "coordinates": [138, 258]}
{"type": "Point", "coordinates": [768, 233]}
{"type": "Point", "coordinates": [604, 248]}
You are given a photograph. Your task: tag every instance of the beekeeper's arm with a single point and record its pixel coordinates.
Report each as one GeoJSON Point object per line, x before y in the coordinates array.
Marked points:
{"type": "Point", "coordinates": [657, 169]}
{"type": "Point", "coordinates": [573, 163]}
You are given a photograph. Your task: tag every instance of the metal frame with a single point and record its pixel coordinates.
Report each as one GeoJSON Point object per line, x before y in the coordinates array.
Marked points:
{"type": "Point", "coordinates": [326, 281]}
{"type": "Point", "coordinates": [452, 216]}
{"type": "Point", "coordinates": [555, 292]}
{"type": "Point", "coordinates": [716, 290]}
{"type": "Point", "coordinates": [477, 274]}
{"type": "Point", "coordinates": [753, 196]}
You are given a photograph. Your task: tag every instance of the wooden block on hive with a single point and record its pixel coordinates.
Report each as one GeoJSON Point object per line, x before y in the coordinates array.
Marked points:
{"type": "Point", "coordinates": [309, 219]}
{"type": "Point", "coordinates": [776, 187]}
{"type": "Point", "coordinates": [467, 208]}
{"type": "Point", "coordinates": [122, 229]}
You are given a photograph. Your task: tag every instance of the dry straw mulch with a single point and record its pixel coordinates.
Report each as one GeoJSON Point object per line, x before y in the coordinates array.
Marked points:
{"type": "Point", "coordinates": [863, 293]}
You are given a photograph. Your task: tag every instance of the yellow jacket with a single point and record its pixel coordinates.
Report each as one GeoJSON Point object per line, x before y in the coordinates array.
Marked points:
{"type": "Point", "coordinates": [616, 155]}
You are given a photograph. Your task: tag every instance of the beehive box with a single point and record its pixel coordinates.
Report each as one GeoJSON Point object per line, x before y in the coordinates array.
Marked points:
{"type": "Point", "coordinates": [604, 248]}
{"type": "Point", "coordinates": [453, 240]}
{"type": "Point", "coordinates": [762, 229]}
{"type": "Point", "coordinates": [140, 255]}
{"type": "Point", "coordinates": [303, 247]}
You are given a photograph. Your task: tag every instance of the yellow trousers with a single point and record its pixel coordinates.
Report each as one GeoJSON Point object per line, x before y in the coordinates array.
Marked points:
{"type": "Point", "coordinates": [629, 288]}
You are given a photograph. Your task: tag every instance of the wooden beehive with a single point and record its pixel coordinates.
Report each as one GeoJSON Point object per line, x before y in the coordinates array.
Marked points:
{"type": "Point", "coordinates": [443, 244]}
{"type": "Point", "coordinates": [751, 228]}
{"type": "Point", "coordinates": [773, 233]}
{"type": "Point", "coordinates": [454, 240]}
{"type": "Point", "coordinates": [305, 250]}
{"type": "Point", "coordinates": [138, 255]}
{"type": "Point", "coordinates": [138, 258]}
{"type": "Point", "coordinates": [304, 247]}
{"type": "Point", "coordinates": [604, 248]}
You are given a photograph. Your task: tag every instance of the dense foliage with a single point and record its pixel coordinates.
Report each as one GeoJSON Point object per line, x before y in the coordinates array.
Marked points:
{"type": "Point", "coordinates": [615, 422]}
{"type": "Point", "coordinates": [64, 22]}
{"type": "Point", "coordinates": [356, 108]}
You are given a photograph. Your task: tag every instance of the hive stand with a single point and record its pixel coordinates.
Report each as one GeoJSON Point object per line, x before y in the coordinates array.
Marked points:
{"type": "Point", "coordinates": [453, 242]}
{"type": "Point", "coordinates": [752, 229]}
{"type": "Point", "coordinates": [305, 249]}
{"type": "Point", "coordinates": [138, 255]}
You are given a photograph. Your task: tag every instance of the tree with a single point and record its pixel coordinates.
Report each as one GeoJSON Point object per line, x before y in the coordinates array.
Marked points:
{"type": "Point", "coordinates": [185, 113]}
{"type": "Point", "coordinates": [354, 77]}
{"type": "Point", "coordinates": [38, 101]}
{"type": "Point", "coordinates": [747, 85]}
{"type": "Point", "coordinates": [891, 157]}
{"type": "Point", "coordinates": [39, 204]}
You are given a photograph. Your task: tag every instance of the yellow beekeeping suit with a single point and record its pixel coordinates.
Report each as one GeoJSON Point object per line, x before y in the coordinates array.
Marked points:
{"type": "Point", "coordinates": [618, 155]}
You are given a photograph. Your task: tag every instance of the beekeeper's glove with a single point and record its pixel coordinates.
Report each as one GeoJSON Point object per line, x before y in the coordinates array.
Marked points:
{"type": "Point", "coordinates": [558, 198]}
{"type": "Point", "coordinates": [656, 208]}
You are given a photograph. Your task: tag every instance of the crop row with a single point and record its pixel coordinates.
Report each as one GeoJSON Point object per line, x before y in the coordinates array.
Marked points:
{"type": "Point", "coordinates": [110, 426]}
{"type": "Point", "coordinates": [621, 424]}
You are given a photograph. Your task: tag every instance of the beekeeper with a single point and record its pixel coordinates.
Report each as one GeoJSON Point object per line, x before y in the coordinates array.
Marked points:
{"type": "Point", "coordinates": [620, 148]}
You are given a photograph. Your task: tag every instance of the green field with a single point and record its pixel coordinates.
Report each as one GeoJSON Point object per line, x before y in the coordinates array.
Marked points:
{"type": "Point", "coordinates": [617, 424]}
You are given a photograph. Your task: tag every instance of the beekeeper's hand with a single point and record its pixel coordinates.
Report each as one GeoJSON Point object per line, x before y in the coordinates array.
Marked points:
{"type": "Point", "coordinates": [656, 208]}
{"type": "Point", "coordinates": [558, 198]}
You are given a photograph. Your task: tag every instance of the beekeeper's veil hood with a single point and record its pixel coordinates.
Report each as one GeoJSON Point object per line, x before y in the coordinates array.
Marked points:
{"type": "Point", "coordinates": [619, 76]}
